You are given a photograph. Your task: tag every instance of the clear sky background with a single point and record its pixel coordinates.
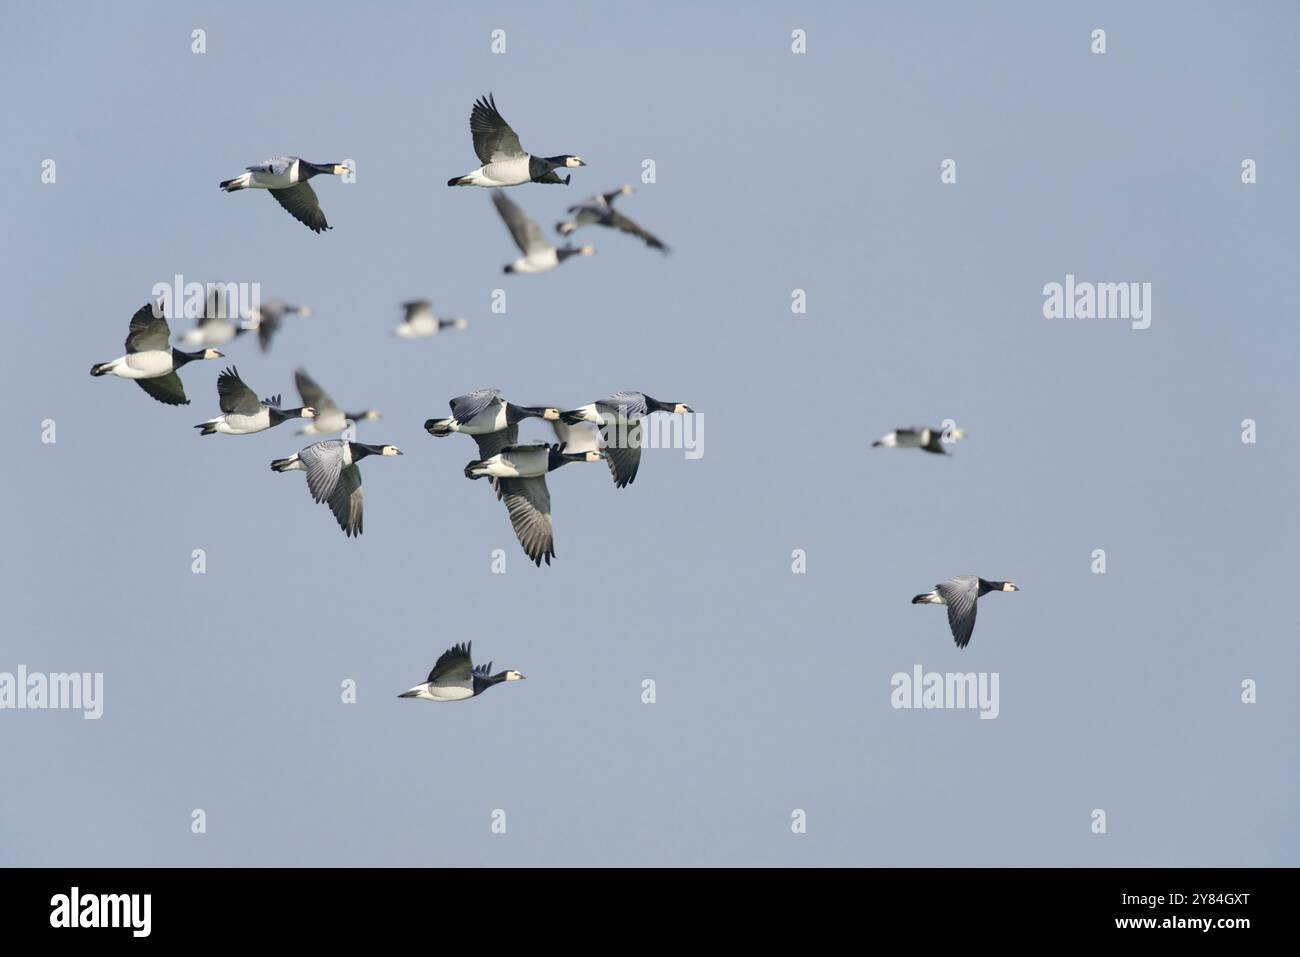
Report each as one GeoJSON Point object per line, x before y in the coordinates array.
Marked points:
{"type": "Point", "coordinates": [775, 172]}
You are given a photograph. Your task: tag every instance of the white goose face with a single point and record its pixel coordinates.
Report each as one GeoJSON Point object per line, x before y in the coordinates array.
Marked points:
{"type": "Point", "coordinates": [626, 190]}
{"type": "Point", "coordinates": [956, 435]}
{"type": "Point", "coordinates": [392, 450]}
{"type": "Point", "coordinates": [681, 408]}
{"type": "Point", "coordinates": [1010, 586]}
{"type": "Point", "coordinates": [308, 412]}
{"type": "Point", "coordinates": [594, 456]}
{"type": "Point", "coordinates": [514, 676]}
{"type": "Point", "coordinates": [573, 162]}
{"type": "Point", "coordinates": [212, 354]}
{"type": "Point", "coordinates": [372, 416]}
{"type": "Point", "coordinates": [588, 250]}
{"type": "Point", "coordinates": [341, 170]}
{"type": "Point", "coordinates": [551, 415]}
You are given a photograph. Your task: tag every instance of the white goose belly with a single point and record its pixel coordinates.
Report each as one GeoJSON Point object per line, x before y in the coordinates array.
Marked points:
{"type": "Point", "coordinates": [528, 463]}
{"type": "Point", "coordinates": [450, 692]}
{"type": "Point", "coordinates": [419, 327]}
{"type": "Point", "coordinates": [511, 172]}
{"type": "Point", "coordinates": [263, 179]}
{"type": "Point", "coordinates": [144, 365]}
{"type": "Point", "coordinates": [538, 262]}
{"type": "Point", "coordinates": [232, 424]}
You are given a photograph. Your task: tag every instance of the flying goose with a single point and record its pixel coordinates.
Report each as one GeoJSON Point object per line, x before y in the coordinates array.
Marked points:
{"type": "Point", "coordinates": [242, 414]}
{"type": "Point", "coordinates": [216, 327]}
{"type": "Point", "coordinates": [504, 161]}
{"type": "Point", "coordinates": [150, 360]}
{"type": "Point", "coordinates": [333, 476]}
{"type": "Point", "coordinates": [520, 475]}
{"type": "Point", "coordinates": [599, 211]}
{"type": "Point", "coordinates": [920, 437]}
{"type": "Point", "coordinates": [268, 316]}
{"type": "Point", "coordinates": [617, 418]}
{"type": "Point", "coordinates": [421, 321]}
{"type": "Point", "coordinates": [490, 419]}
{"type": "Point", "coordinates": [454, 677]}
{"type": "Point", "coordinates": [539, 255]}
{"type": "Point", "coordinates": [960, 595]}
{"type": "Point", "coordinates": [286, 177]}
{"type": "Point", "coordinates": [329, 417]}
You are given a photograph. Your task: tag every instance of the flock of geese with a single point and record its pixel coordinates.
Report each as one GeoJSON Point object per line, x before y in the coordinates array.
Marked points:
{"type": "Point", "coordinates": [605, 430]}
{"type": "Point", "coordinates": [517, 471]}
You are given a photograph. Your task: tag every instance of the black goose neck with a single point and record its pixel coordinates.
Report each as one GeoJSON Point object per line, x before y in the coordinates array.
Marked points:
{"type": "Point", "coordinates": [517, 413]}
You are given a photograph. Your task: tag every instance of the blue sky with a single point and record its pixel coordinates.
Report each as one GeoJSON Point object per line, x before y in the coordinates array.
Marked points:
{"type": "Point", "coordinates": [775, 172]}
